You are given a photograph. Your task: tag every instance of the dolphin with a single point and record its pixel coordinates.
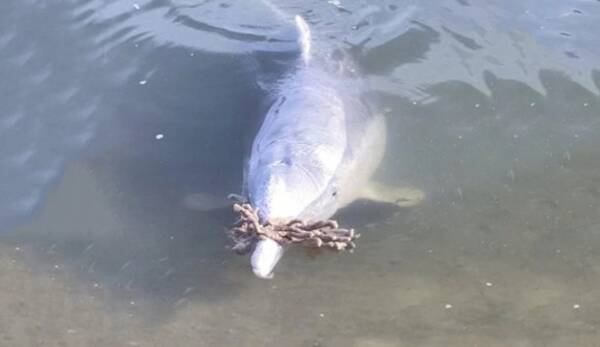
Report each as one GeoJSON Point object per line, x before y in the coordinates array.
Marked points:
{"type": "Point", "coordinates": [316, 150]}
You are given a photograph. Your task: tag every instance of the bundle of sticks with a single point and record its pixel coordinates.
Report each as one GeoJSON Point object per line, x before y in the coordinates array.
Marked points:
{"type": "Point", "coordinates": [319, 234]}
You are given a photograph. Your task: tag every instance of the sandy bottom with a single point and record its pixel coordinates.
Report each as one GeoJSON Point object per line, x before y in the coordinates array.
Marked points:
{"type": "Point", "coordinates": [515, 264]}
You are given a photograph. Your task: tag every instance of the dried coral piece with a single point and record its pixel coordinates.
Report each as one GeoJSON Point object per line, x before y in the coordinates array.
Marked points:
{"type": "Point", "coordinates": [317, 234]}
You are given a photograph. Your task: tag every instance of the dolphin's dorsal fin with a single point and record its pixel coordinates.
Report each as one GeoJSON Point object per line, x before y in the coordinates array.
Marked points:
{"type": "Point", "coordinates": [304, 39]}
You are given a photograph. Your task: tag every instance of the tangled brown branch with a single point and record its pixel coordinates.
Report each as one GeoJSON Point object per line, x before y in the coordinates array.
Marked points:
{"type": "Point", "coordinates": [326, 234]}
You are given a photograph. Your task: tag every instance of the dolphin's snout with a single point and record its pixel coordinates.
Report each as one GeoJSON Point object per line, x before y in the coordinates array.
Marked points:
{"type": "Point", "coordinates": [264, 258]}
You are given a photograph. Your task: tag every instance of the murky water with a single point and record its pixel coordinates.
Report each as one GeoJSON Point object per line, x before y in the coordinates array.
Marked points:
{"type": "Point", "coordinates": [124, 123]}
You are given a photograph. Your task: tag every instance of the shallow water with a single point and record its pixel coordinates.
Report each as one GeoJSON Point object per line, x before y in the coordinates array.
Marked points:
{"type": "Point", "coordinates": [124, 123]}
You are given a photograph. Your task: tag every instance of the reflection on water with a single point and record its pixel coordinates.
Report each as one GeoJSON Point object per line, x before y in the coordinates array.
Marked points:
{"type": "Point", "coordinates": [118, 113]}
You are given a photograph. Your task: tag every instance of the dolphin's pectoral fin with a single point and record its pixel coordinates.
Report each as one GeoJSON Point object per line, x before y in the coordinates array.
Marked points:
{"type": "Point", "coordinates": [400, 196]}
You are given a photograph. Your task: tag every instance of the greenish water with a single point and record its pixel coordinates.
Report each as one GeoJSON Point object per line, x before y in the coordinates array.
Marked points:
{"type": "Point", "coordinates": [114, 115]}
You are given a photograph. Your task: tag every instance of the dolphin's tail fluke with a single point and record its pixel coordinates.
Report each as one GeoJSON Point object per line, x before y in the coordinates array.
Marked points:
{"type": "Point", "coordinates": [304, 39]}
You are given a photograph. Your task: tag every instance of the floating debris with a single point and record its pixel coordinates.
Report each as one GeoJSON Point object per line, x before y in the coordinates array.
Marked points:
{"type": "Point", "coordinates": [142, 82]}
{"type": "Point", "coordinates": [318, 234]}
{"type": "Point", "coordinates": [448, 306]}
{"type": "Point", "coordinates": [181, 302]}
{"type": "Point", "coordinates": [125, 265]}
{"type": "Point", "coordinates": [159, 136]}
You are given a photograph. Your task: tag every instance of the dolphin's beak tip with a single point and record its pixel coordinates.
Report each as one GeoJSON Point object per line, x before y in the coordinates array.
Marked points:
{"type": "Point", "coordinates": [264, 258]}
{"type": "Point", "coordinates": [262, 274]}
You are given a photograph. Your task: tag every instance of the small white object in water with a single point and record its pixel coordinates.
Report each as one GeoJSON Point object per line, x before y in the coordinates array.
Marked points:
{"type": "Point", "coordinates": [532, 104]}
{"type": "Point", "coordinates": [576, 306]}
{"type": "Point", "coordinates": [136, 6]}
{"type": "Point", "coordinates": [159, 136]}
{"type": "Point", "coordinates": [477, 105]}
{"type": "Point", "coordinates": [96, 285]}
{"type": "Point", "coordinates": [56, 266]}
{"type": "Point", "coordinates": [447, 306]}
{"type": "Point", "coordinates": [585, 104]}
{"type": "Point", "coordinates": [321, 315]}
{"type": "Point", "coordinates": [511, 174]}
{"type": "Point", "coordinates": [335, 3]}
{"type": "Point", "coordinates": [17, 249]}
{"type": "Point", "coordinates": [489, 284]}
{"type": "Point", "coordinates": [132, 302]}
{"type": "Point", "coordinates": [142, 82]}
